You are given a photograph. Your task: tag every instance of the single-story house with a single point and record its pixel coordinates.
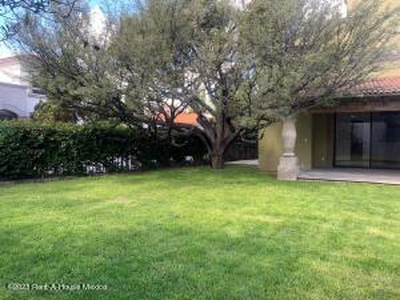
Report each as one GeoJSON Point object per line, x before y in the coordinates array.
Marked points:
{"type": "Point", "coordinates": [362, 131]}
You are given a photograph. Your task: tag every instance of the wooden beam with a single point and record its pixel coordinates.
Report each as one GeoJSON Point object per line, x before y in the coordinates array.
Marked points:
{"type": "Point", "coordinates": [362, 105]}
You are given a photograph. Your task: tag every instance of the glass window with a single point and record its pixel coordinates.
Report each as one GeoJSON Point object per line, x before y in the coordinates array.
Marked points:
{"type": "Point", "coordinates": [368, 140]}
{"type": "Point", "coordinates": [385, 140]}
{"type": "Point", "coordinates": [353, 131]}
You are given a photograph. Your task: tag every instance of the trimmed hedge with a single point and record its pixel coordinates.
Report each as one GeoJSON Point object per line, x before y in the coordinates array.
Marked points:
{"type": "Point", "coordinates": [30, 150]}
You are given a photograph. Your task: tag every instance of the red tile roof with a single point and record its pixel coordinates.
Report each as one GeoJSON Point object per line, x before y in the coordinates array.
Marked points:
{"type": "Point", "coordinates": [373, 87]}
{"type": "Point", "coordinates": [378, 87]}
{"type": "Point", "coordinates": [182, 118]}
{"type": "Point", "coordinates": [186, 118]}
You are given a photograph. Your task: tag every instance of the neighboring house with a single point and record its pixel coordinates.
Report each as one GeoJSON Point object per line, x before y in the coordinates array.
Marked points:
{"type": "Point", "coordinates": [362, 131]}
{"type": "Point", "coordinates": [17, 97]}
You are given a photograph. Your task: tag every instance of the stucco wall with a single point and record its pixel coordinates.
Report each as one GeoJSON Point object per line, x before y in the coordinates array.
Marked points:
{"type": "Point", "coordinates": [17, 99]}
{"type": "Point", "coordinates": [16, 95]}
{"type": "Point", "coordinates": [323, 140]}
{"type": "Point", "coordinates": [270, 145]}
{"type": "Point", "coordinates": [304, 141]}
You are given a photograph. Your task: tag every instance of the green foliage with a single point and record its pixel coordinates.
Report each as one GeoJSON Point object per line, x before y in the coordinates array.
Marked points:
{"type": "Point", "coordinates": [51, 111]}
{"type": "Point", "coordinates": [29, 150]}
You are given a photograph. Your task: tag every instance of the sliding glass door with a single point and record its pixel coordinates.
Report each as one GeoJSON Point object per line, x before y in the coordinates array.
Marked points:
{"type": "Point", "coordinates": [385, 140]}
{"type": "Point", "coordinates": [367, 140]}
{"type": "Point", "coordinates": [353, 133]}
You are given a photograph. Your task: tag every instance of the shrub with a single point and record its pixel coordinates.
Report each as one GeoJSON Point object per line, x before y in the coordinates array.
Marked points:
{"type": "Point", "coordinates": [31, 150]}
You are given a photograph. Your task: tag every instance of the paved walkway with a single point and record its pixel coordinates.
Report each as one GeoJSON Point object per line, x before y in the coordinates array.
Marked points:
{"type": "Point", "coordinates": [353, 175]}
{"type": "Point", "coordinates": [253, 162]}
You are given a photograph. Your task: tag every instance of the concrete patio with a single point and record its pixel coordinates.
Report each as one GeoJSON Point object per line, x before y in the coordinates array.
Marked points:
{"type": "Point", "coordinates": [250, 162]}
{"type": "Point", "coordinates": [353, 175]}
{"type": "Point", "coordinates": [391, 177]}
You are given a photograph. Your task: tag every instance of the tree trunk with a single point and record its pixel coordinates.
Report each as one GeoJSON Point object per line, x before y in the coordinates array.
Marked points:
{"type": "Point", "coordinates": [217, 136]}
{"type": "Point", "coordinates": [217, 161]}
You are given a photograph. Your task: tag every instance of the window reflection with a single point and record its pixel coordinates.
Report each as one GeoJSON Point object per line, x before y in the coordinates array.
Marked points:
{"type": "Point", "coordinates": [368, 140]}
{"type": "Point", "coordinates": [386, 140]}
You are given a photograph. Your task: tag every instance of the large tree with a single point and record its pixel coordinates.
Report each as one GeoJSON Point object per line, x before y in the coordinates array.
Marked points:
{"type": "Point", "coordinates": [188, 56]}
{"type": "Point", "coordinates": [237, 68]}
{"type": "Point", "coordinates": [241, 68]}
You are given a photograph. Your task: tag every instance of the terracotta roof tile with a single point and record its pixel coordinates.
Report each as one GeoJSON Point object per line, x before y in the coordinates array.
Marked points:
{"type": "Point", "coordinates": [378, 87]}
{"type": "Point", "coordinates": [186, 118]}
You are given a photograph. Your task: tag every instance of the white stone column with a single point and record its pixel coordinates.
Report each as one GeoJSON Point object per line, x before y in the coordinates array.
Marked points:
{"type": "Point", "coordinates": [288, 168]}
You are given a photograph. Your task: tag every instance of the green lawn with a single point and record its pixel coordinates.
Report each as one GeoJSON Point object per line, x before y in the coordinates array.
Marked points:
{"type": "Point", "coordinates": [198, 234]}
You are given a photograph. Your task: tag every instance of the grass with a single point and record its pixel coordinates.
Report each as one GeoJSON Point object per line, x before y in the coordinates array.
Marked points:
{"type": "Point", "coordinates": [198, 234]}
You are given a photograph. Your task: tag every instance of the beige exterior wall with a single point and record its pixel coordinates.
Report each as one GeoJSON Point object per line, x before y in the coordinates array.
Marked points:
{"type": "Point", "coordinates": [314, 145]}
{"type": "Point", "coordinates": [270, 148]}
{"type": "Point", "coordinates": [270, 145]}
{"type": "Point", "coordinates": [323, 140]}
{"type": "Point", "coordinates": [304, 142]}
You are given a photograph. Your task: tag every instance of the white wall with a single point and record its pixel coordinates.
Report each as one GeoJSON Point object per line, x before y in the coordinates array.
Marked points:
{"type": "Point", "coordinates": [15, 91]}
{"type": "Point", "coordinates": [17, 99]}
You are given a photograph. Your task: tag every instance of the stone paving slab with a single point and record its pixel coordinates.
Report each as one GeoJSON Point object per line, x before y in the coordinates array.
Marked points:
{"type": "Point", "coordinates": [353, 175]}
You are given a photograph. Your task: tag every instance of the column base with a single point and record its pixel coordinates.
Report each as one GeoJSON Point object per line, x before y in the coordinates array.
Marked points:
{"type": "Point", "coordinates": [288, 169]}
